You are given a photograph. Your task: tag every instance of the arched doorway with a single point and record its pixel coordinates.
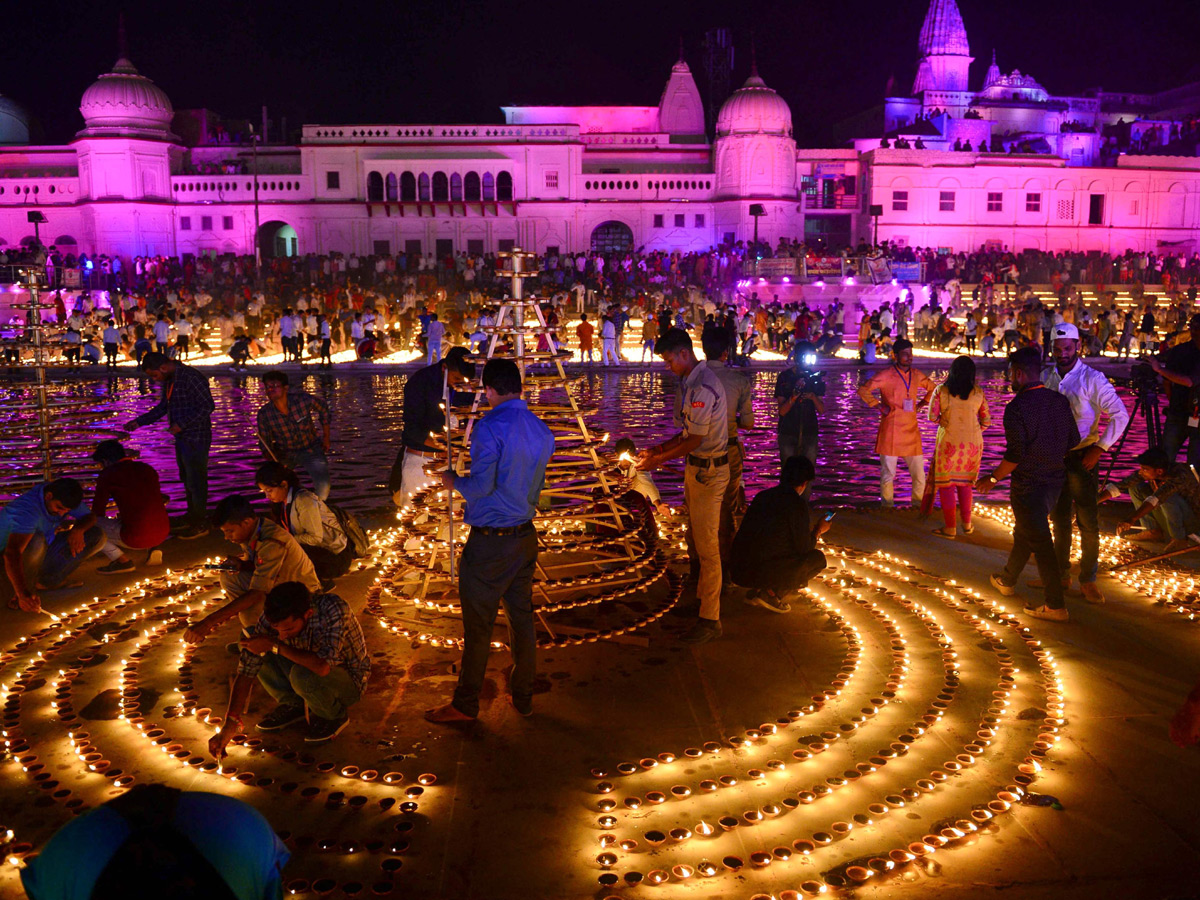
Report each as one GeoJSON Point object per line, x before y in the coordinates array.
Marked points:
{"type": "Point", "coordinates": [277, 239]}
{"type": "Point", "coordinates": [612, 237]}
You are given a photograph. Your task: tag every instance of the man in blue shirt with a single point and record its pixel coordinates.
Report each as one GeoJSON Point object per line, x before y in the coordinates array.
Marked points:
{"type": "Point", "coordinates": [188, 405]}
{"type": "Point", "coordinates": [510, 448]}
{"type": "Point", "coordinates": [155, 841]}
{"type": "Point", "coordinates": [40, 548]}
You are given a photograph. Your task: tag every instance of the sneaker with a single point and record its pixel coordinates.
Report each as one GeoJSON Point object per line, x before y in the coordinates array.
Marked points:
{"type": "Point", "coordinates": [281, 717]}
{"type": "Point", "coordinates": [191, 532]}
{"type": "Point", "coordinates": [1091, 593]}
{"type": "Point", "coordinates": [155, 558]}
{"type": "Point", "coordinates": [768, 600]}
{"type": "Point", "coordinates": [1045, 612]}
{"type": "Point", "coordinates": [702, 632]}
{"type": "Point", "coordinates": [1006, 590]}
{"type": "Point", "coordinates": [116, 567]}
{"type": "Point", "coordinates": [523, 705]}
{"type": "Point", "coordinates": [321, 730]}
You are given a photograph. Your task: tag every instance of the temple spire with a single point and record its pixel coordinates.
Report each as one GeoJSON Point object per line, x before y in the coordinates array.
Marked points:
{"type": "Point", "coordinates": [943, 33]}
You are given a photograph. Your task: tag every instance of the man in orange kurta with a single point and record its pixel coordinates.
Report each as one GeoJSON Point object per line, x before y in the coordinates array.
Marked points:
{"type": "Point", "coordinates": [584, 331]}
{"type": "Point", "coordinates": [898, 387]}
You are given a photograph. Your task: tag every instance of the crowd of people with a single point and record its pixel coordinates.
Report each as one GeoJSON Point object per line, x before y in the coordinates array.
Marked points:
{"type": "Point", "coordinates": [302, 643]}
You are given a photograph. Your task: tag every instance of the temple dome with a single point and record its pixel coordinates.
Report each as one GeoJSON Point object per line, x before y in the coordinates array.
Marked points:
{"type": "Point", "coordinates": [943, 32]}
{"type": "Point", "coordinates": [122, 101]}
{"type": "Point", "coordinates": [755, 109]}
{"type": "Point", "coordinates": [14, 122]}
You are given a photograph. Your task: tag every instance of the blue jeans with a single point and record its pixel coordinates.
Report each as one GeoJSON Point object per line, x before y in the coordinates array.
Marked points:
{"type": "Point", "coordinates": [1175, 432]}
{"type": "Point", "coordinates": [327, 696]}
{"type": "Point", "coordinates": [317, 466]}
{"type": "Point", "coordinates": [1173, 516]}
{"type": "Point", "coordinates": [1031, 506]}
{"type": "Point", "coordinates": [51, 564]}
{"type": "Point", "coordinates": [1079, 496]}
{"type": "Point", "coordinates": [804, 444]}
{"type": "Point", "coordinates": [192, 460]}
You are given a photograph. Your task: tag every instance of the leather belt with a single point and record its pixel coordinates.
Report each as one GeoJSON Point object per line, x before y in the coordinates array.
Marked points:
{"type": "Point", "coordinates": [705, 462]}
{"type": "Point", "coordinates": [489, 531]}
{"type": "Point", "coordinates": [416, 452]}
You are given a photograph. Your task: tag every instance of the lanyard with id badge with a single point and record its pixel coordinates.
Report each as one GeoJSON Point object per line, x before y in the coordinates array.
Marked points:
{"type": "Point", "coordinates": [907, 382]}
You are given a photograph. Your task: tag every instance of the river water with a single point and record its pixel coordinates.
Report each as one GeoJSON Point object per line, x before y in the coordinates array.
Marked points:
{"type": "Point", "coordinates": [367, 414]}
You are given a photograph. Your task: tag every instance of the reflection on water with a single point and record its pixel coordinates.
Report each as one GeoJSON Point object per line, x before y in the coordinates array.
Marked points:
{"type": "Point", "coordinates": [367, 417]}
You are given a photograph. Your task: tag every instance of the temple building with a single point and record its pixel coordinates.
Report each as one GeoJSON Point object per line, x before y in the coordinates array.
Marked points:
{"type": "Point", "coordinates": [959, 162]}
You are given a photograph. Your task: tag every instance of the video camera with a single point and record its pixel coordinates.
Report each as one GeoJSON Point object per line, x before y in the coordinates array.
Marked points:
{"type": "Point", "coordinates": [811, 382]}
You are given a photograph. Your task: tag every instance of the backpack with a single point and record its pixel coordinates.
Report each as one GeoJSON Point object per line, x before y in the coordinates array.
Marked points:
{"type": "Point", "coordinates": [356, 537]}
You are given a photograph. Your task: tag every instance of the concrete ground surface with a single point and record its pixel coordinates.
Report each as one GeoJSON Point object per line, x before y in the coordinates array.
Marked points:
{"type": "Point", "coordinates": [514, 811]}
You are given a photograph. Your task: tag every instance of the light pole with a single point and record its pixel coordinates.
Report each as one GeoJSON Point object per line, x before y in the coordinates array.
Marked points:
{"type": "Point", "coordinates": [757, 211]}
{"type": "Point", "coordinates": [257, 241]}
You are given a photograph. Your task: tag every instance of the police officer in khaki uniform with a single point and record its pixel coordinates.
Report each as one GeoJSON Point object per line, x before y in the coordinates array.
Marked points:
{"type": "Point", "coordinates": [704, 440]}
{"type": "Point", "coordinates": [270, 556]}
{"type": "Point", "coordinates": [739, 393]}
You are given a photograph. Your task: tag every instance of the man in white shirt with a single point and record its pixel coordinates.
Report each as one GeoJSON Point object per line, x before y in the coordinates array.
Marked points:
{"type": "Point", "coordinates": [162, 333]}
{"type": "Point", "coordinates": [183, 332]}
{"type": "Point", "coordinates": [608, 341]}
{"type": "Point", "coordinates": [1091, 395]}
{"type": "Point", "coordinates": [287, 334]}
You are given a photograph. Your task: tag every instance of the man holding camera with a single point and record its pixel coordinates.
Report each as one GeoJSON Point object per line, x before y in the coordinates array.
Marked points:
{"type": "Point", "coordinates": [1178, 365]}
{"type": "Point", "coordinates": [899, 436]}
{"type": "Point", "coordinates": [799, 391]}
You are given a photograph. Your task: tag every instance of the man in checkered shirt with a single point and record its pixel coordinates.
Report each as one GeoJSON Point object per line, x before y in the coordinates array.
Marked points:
{"type": "Point", "coordinates": [307, 650]}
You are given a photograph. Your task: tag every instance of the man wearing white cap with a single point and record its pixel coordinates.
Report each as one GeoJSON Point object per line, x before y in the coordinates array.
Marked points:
{"type": "Point", "coordinates": [1092, 396]}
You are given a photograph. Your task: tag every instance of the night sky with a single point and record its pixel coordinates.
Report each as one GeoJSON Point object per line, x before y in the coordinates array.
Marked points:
{"type": "Point", "coordinates": [449, 61]}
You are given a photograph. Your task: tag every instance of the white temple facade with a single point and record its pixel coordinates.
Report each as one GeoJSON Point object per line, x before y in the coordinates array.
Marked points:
{"type": "Point", "coordinates": [1041, 171]}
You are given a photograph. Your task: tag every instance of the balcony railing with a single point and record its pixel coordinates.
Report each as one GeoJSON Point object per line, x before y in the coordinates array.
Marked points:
{"type": "Point", "coordinates": [831, 201]}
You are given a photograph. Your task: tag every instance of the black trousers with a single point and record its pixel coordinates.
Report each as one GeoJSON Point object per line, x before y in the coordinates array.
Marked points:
{"type": "Point", "coordinates": [329, 565]}
{"type": "Point", "coordinates": [496, 569]}
{"type": "Point", "coordinates": [779, 575]}
{"type": "Point", "coordinates": [1031, 506]}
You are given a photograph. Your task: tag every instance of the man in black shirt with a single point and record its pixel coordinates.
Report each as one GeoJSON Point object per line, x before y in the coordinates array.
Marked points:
{"type": "Point", "coordinates": [1178, 422]}
{"type": "Point", "coordinates": [775, 552]}
{"type": "Point", "coordinates": [424, 418]}
{"type": "Point", "coordinates": [1039, 430]}
{"type": "Point", "coordinates": [798, 407]}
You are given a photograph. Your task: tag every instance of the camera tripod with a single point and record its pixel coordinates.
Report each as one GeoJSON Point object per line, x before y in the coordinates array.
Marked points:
{"type": "Point", "coordinates": [1146, 405]}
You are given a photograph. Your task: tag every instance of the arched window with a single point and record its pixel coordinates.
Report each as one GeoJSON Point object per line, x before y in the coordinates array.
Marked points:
{"type": "Point", "coordinates": [471, 187]}
{"type": "Point", "coordinates": [456, 190]}
{"type": "Point", "coordinates": [504, 186]}
{"type": "Point", "coordinates": [374, 186]}
{"type": "Point", "coordinates": [612, 237]}
{"type": "Point", "coordinates": [441, 187]}
{"type": "Point", "coordinates": [408, 187]}
{"type": "Point", "coordinates": [489, 186]}
{"type": "Point", "coordinates": [423, 187]}
{"type": "Point", "coordinates": [391, 187]}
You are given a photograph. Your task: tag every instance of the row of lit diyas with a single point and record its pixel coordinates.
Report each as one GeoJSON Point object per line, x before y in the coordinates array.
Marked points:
{"type": "Point", "coordinates": [1163, 582]}
{"type": "Point", "coordinates": [856, 871]}
{"type": "Point", "coordinates": [174, 596]}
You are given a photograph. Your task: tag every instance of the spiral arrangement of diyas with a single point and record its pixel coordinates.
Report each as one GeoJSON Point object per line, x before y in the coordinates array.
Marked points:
{"type": "Point", "coordinates": [371, 812]}
{"type": "Point", "coordinates": [629, 565]}
{"type": "Point", "coordinates": [799, 822]}
{"type": "Point", "coordinates": [1164, 583]}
